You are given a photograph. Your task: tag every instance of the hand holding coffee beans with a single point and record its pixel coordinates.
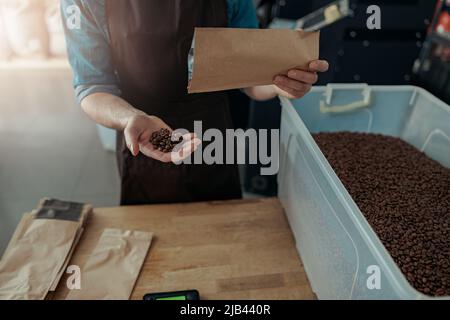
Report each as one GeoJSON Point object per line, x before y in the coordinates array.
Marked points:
{"type": "Point", "coordinates": [162, 140]}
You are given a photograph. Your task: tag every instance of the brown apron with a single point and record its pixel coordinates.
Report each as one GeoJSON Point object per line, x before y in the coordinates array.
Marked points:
{"type": "Point", "coordinates": [150, 42]}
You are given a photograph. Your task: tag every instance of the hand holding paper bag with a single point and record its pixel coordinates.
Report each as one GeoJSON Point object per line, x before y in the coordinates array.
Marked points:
{"type": "Point", "coordinates": [298, 82]}
{"type": "Point", "coordinates": [241, 58]}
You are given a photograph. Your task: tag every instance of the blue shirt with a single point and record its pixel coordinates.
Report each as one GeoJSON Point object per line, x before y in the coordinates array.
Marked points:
{"type": "Point", "coordinates": [88, 46]}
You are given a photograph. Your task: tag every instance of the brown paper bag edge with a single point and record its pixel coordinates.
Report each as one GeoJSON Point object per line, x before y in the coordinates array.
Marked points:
{"type": "Point", "coordinates": [66, 262]}
{"type": "Point", "coordinates": [59, 264]}
{"type": "Point", "coordinates": [47, 279]}
{"type": "Point", "coordinates": [142, 236]}
{"type": "Point", "coordinates": [85, 215]}
{"type": "Point", "coordinates": [29, 216]}
{"type": "Point", "coordinates": [195, 87]}
{"type": "Point", "coordinates": [26, 221]}
{"type": "Point", "coordinates": [20, 229]}
{"type": "Point", "coordinates": [75, 295]}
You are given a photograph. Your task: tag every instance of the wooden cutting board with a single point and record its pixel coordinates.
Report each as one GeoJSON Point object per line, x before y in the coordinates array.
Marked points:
{"type": "Point", "coordinates": [240, 249]}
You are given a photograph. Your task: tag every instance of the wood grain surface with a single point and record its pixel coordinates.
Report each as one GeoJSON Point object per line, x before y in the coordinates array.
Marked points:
{"type": "Point", "coordinates": [240, 249]}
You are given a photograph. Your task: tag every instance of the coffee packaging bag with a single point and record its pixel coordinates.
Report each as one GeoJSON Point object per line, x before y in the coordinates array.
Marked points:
{"type": "Point", "coordinates": [32, 262]}
{"type": "Point", "coordinates": [231, 58]}
{"type": "Point", "coordinates": [112, 269]}
{"type": "Point", "coordinates": [40, 249]}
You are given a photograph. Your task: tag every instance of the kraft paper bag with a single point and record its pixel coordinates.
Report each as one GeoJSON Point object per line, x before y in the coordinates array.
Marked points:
{"type": "Point", "coordinates": [31, 263]}
{"type": "Point", "coordinates": [113, 267]}
{"type": "Point", "coordinates": [227, 58]}
{"type": "Point", "coordinates": [66, 262]}
{"type": "Point", "coordinates": [40, 249]}
{"type": "Point", "coordinates": [24, 223]}
{"type": "Point", "coordinates": [84, 211]}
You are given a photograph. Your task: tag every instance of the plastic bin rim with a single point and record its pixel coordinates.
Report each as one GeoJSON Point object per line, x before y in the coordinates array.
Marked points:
{"type": "Point", "coordinates": [396, 88]}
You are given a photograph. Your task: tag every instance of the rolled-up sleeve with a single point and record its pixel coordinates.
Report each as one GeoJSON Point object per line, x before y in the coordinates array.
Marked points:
{"type": "Point", "coordinates": [88, 49]}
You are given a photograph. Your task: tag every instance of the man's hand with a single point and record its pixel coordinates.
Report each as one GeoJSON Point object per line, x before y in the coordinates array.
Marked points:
{"type": "Point", "coordinates": [294, 85]}
{"type": "Point", "coordinates": [113, 112]}
{"type": "Point", "coordinates": [298, 82]}
{"type": "Point", "coordinates": [138, 131]}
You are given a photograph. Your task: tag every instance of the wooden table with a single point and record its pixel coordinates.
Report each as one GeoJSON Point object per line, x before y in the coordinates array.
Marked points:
{"type": "Point", "coordinates": [240, 249]}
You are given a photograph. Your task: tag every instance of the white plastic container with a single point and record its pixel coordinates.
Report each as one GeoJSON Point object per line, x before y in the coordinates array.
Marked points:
{"type": "Point", "coordinates": [340, 251]}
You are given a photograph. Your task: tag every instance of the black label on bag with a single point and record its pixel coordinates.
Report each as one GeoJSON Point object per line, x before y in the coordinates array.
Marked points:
{"type": "Point", "coordinates": [60, 210]}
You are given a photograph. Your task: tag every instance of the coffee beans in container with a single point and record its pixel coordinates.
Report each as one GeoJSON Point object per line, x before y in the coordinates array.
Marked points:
{"type": "Point", "coordinates": [162, 140]}
{"type": "Point", "coordinates": [405, 197]}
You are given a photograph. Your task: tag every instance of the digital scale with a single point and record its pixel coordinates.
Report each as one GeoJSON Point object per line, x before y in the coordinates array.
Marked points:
{"type": "Point", "coordinates": [176, 295]}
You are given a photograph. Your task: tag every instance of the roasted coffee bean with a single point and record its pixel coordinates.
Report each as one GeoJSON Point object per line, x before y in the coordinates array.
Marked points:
{"type": "Point", "coordinates": [405, 197]}
{"type": "Point", "coordinates": [162, 140]}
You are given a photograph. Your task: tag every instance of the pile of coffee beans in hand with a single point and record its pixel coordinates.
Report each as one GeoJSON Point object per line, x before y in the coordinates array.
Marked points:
{"type": "Point", "coordinates": [162, 140]}
{"type": "Point", "coordinates": [405, 197]}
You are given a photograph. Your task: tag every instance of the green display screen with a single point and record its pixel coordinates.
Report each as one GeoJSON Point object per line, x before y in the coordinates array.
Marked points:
{"type": "Point", "coordinates": [173, 298]}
